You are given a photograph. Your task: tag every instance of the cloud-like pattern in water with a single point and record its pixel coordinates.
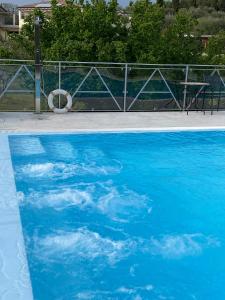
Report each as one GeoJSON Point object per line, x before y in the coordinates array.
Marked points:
{"type": "Point", "coordinates": [121, 203]}
{"type": "Point", "coordinates": [75, 163]}
{"type": "Point", "coordinates": [85, 244]}
{"type": "Point", "coordinates": [89, 245]}
{"type": "Point", "coordinates": [118, 203]}
{"type": "Point", "coordinates": [132, 293]}
{"type": "Point", "coordinates": [58, 199]}
{"type": "Point", "coordinates": [62, 170]}
{"type": "Point", "coordinates": [179, 246]}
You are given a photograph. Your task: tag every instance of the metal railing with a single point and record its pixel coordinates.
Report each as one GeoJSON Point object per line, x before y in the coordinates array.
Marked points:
{"type": "Point", "coordinates": [98, 86]}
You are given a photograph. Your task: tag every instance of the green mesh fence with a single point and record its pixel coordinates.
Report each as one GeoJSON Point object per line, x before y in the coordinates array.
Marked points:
{"type": "Point", "coordinates": [111, 87]}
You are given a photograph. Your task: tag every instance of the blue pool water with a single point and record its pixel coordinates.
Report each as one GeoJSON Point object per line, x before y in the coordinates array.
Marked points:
{"type": "Point", "coordinates": [136, 216]}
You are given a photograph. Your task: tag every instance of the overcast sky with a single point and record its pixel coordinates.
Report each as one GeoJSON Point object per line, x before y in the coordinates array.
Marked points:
{"type": "Point", "coordinates": [19, 2]}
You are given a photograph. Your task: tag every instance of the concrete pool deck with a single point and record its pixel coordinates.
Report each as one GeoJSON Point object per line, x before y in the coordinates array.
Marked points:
{"type": "Point", "coordinates": [13, 122]}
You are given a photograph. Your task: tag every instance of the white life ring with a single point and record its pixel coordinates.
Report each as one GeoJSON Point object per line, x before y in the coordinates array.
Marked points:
{"type": "Point", "coordinates": [65, 108]}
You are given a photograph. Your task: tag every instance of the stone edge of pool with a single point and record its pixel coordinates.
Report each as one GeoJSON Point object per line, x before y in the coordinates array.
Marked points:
{"type": "Point", "coordinates": [111, 130]}
{"type": "Point", "coordinates": [14, 273]}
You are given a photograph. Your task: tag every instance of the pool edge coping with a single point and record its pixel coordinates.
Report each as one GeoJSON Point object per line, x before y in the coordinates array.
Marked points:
{"type": "Point", "coordinates": [14, 271]}
{"type": "Point", "coordinates": [9, 132]}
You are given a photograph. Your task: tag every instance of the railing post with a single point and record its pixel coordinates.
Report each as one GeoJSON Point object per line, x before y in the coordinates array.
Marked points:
{"type": "Point", "coordinates": [59, 83]}
{"type": "Point", "coordinates": [125, 89]}
{"type": "Point", "coordinates": [37, 66]}
{"type": "Point", "coordinates": [14, 17]}
{"type": "Point", "coordinates": [185, 87]}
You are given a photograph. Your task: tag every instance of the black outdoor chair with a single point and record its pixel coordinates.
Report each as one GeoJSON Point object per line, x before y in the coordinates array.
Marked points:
{"type": "Point", "coordinates": [213, 92]}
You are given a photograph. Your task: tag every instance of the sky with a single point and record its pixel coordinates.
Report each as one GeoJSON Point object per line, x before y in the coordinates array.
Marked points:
{"type": "Point", "coordinates": [20, 2]}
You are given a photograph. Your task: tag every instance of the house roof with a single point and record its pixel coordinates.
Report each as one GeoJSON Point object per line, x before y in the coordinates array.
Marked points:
{"type": "Point", "coordinates": [2, 9]}
{"type": "Point", "coordinates": [42, 4]}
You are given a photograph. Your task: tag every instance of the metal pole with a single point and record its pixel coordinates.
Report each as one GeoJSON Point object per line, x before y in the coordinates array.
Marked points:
{"type": "Point", "coordinates": [37, 65]}
{"type": "Point", "coordinates": [59, 84]}
{"type": "Point", "coordinates": [14, 17]}
{"type": "Point", "coordinates": [125, 89]}
{"type": "Point", "coordinates": [185, 87]}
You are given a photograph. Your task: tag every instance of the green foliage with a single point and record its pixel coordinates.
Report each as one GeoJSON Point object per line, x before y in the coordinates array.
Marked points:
{"type": "Point", "coordinates": [147, 33]}
{"type": "Point", "coordinates": [210, 25]}
{"type": "Point", "coordinates": [4, 51]}
{"type": "Point", "coordinates": [147, 22]}
{"type": "Point", "coordinates": [216, 4]}
{"type": "Point", "coordinates": [179, 44]}
{"type": "Point", "coordinates": [215, 52]}
{"type": "Point", "coordinates": [17, 46]}
{"type": "Point", "coordinates": [152, 41]}
{"type": "Point", "coordinates": [84, 32]}
{"type": "Point", "coordinates": [176, 5]}
{"type": "Point", "coordinates": [160, 2]}
{"type": "Point", "coordinates": [209, 20]}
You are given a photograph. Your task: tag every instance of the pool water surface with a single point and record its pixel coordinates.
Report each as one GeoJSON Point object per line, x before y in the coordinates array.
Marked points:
{"type": "Point", "coordinates": [135, 216]}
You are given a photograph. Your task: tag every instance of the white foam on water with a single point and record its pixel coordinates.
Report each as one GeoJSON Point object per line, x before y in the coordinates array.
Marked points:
{"type": "Point", "coordinates": [28, 146]}
{"type": "Point", "coordinates": [132, 293]}
{"type": "Point", "coordinates": [122, 204]}
{"type": "Point", "coordinates": [84, 295]}
{"type": "Point", "coordinates": [69, 197]}
{"type": "Point", "coordinates": [135, 289]}
{"type": "Point", "coordinates": [117, 203]}
{"type": "Point", "coordinates": [93, 295]}
{"type": "Point", "coordinates": [58, 199]}
{"type": "Point", "coordinates": [46, 170]}
{"type": "Point", "coordinates": [85, 244]}
{"type": "Point", "coordinates": [132, 270]}
{"type": "Point", "coordinates": [64, 170]}
{"type": "Point", "coordinates": [125, 290]}
{"type": "Point", "coordinates": [20, 197]}
{"type": "Point", "coordinates": [94, 169]}
{"type": "Point", "coordinates": [38, 170]}
{"type": "Point", "coordinates": [179, 246]}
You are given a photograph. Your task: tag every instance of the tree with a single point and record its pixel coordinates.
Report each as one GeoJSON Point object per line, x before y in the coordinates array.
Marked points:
{"type": "Point", "coordinates": [160, 2]}
{"type": "Point", "coordinates": [147, 21]}
{"type": "Point", "coordinates": [194, 3]}
{"type": "Point", "coordinates": [179, 44]}
{"type": "Point", "coordinates": [80, 31]}
{"type": "Point", "coordinates": [176, 5]}
{"type": "Point", "coordinates": [221, 5]}
{"type": "Point", "coordinates": [100, 31]}
{"type": "Point", "coordinates": [215, 51]}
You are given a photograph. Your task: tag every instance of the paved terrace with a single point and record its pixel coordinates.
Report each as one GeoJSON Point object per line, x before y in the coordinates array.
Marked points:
{"type": "Point", "coordinates": [27, 122]}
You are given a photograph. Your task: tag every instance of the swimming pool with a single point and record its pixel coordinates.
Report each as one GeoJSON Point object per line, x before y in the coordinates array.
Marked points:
{"type": "Point", "coordinates": [123, 215]}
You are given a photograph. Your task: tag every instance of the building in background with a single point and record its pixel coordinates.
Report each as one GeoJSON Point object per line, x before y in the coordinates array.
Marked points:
{"type": "Point", "coordinates": [205, 39]}
{"type": "Point", "coordinates": [25, 10]}
{"type": "Point", "coordinates": [9, 22]}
